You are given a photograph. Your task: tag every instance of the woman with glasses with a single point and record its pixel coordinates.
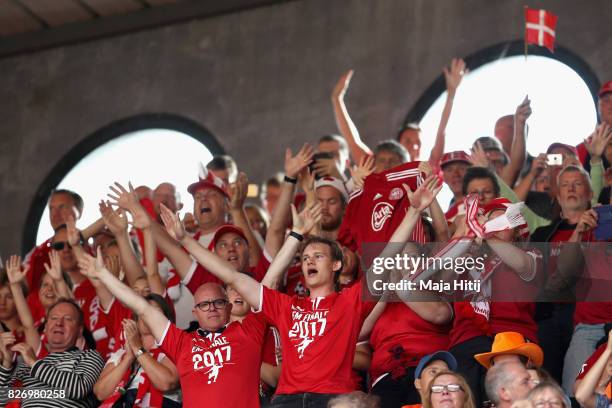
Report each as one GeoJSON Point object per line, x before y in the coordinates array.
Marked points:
{"type": "Point", "coordinates": [549, 395]}
{"type": "Point", "coordinates": [448, 390]}
{"type": "Point", "coordinates": [139, 374]}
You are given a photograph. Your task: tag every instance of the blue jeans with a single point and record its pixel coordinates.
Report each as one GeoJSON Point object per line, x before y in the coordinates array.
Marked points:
{"type": "Point", "coordinates": [581, 347]}
{"type": "Point", "coordinates": [305, 400]}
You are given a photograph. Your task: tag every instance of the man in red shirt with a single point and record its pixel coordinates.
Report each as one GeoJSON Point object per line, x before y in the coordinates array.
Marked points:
{"type": "Point", "coordinates": [565, 263]}
{"type": "Point", "coordinates": [311, 328]}
{"type": "Point", "coordinates": [218, 363]}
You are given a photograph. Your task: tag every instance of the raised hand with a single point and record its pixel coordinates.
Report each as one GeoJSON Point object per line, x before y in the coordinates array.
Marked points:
{"type": "Point", "coordinates": [306, 180]}
{"type": "Point", "coordinates": [140, 217]}
{"type": "Point", "coordinates": [13, 270]}
{"type": "Point", "coordinates": [479, 157]}
{"type": "Point", "coordinates": [523, 111]}
{"type": "Point", "coordinates": [305, 221]}
{"type": "Point", "coordinates": [425, 194]}
{"type": "Point", "coordinates": [73, 235]}
{"type": "Point", "coordinates": [538, 165]}
{"type": "Point", "coordinates": [90, 266]}
{"type": "Point", "coordinates": [363, 170]}
{"type": "Point", "coordinates": [295, 164]}
{"type": "Point", "coordinates": [238, 191]}
{"type": "Point", "coordinates": [190, 224]}
{"type": "Point", "coordinates": [425, 167]}
{"type": "Point", "coordinates": [122, 197]}
{"type": "Point", "coordinates": [27, 353]}
{"type": "Point", "coordinates": [342, 85]}
{"type": "Point", "coordinates": [596, 144]}
{"type": "Point", "coordinates": [54, 267]}
{"type": "Point", "coordinates": [115, 220]}
{"type": "Point", "coordinates": [172, 223]}
{"type": "Point", "coordinates": [454, 74]}
{"type": "Point", "coordinates": [132, 336]}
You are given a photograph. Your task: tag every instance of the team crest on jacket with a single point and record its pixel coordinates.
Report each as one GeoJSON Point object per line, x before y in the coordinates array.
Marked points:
{"type": "Point", "coordinates": [396, 194]}
{"type": "Point", "coordinates": [382, 212]}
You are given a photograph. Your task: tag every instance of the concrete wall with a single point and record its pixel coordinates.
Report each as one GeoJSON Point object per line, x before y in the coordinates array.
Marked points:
{"type": "Point", "coordinates": [259, 80]}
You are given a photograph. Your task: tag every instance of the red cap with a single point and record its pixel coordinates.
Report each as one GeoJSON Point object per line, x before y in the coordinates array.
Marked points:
{"type": "Point", "coordinates": [605, 88]}
{"type": "Point", "coordinates": [456, 156]}
{"type": "Point", "coordinates": [563, 146]}
{"type": "Point", "coordinates": [208, 180]}
{"type": "Point", "coordinates": [224, 229]}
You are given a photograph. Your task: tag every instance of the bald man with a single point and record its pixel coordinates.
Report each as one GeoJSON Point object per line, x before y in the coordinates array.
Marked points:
{"type": "Point", "coordinates": [220, 362]}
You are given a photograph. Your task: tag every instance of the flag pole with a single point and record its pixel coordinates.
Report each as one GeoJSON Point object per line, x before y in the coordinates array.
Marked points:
{"type": "Point", "coordinates": [525, 32]}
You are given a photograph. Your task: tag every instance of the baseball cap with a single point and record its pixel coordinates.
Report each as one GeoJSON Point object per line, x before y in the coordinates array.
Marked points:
{"type": "Point", "coordinates": [445, 356]}
{"type": "Point", "coordinates": [224, 229]}
{"type": "Point", "coordinates": [489, 143]}
{"type": "Point", "coordinates": [563, 146]}
{"type": "Point", "coordinates": [332, 182]}
{"type": "Point", "coordinates": [456, 156]}
{"type": "Point", "coordinates": [208, 180]}
{"type": "Point", "coordinates": [511, 343]}
{"type": "Point", "coordinates": [605, 88]}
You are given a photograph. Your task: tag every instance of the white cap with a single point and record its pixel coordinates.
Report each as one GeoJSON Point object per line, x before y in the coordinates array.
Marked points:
{"type": "Point", "coordinates": [332, 182]}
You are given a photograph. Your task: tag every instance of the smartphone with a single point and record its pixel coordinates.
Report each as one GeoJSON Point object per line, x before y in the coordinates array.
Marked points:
{"type": "Point", "coordinates": [554, 159]}
{"type": "Point", "coordinates": [320, 156]}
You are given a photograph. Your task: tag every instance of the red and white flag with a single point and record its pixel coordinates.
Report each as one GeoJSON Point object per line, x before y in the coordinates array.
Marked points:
{"type": "Point", "coordinates": [540, 28]}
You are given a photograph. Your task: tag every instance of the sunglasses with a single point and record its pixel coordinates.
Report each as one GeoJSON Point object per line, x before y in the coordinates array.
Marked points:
{"type": "Point", "coordinates": [60, 245]}
{"type": "Point", "coordinates": [205, 306]}
{"type": "Point", "coordinates": [436, 389]}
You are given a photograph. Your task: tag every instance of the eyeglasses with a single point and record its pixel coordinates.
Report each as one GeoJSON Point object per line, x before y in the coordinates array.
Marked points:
{"type": "Point", "coordinates": [436, 389]}
{"type": "Point", "coordinates": [551, 403]}
{"type": "Point", "coordinates": [59, 245]}
{"type": "Point", "coordinates": [217, 304]}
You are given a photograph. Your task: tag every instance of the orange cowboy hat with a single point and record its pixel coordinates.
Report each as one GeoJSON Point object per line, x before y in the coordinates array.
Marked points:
{"type": "Point", "coordinates": [511, 343]}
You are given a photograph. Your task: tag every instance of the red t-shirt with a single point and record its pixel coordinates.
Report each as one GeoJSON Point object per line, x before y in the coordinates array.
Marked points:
{"type": "Point", "coordinates": [37, 309]}
{"type": "Point", "coordinates": [95, 321]}
{"type": "Point", "coordinates": [114, 317]}
{"type": "Point", "coordinates": [586, 312]}
{"type": "Point", "coordinates": [591, 361]}
{"type": "Point", "coordinates": [373, 213]}
{"type": "Point", "coordinates": [471, 320]}
{"type": "Point", "coordinates": [218, 369]}
{"type": "Point", "coordinates": [318, 337]}
{"type": "Point", "coordinates": [198, 275]}
{"type": "Point", "coordinates": [400, 338]}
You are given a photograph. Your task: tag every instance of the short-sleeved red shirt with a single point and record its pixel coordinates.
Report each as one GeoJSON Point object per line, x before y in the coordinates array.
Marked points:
{"type": "Point", "coordinates": [318, 337]}
{"type": "Point", "coordinates": [218, 369]}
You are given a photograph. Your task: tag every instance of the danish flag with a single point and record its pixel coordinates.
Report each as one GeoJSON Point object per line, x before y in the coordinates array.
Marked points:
{"type": "Point", "coordinates": [540, 28]}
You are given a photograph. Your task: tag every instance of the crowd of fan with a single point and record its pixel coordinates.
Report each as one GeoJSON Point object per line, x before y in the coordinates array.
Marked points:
{"type": "Point", "coordinates": [242, 305]}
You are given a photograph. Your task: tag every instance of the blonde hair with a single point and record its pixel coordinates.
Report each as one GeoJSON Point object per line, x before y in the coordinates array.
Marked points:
{"type": "Point", "coordinates": [468, 399]}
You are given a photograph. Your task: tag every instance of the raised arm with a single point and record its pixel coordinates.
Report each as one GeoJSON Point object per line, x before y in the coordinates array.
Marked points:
{"type": "Point", "coordinates": [151, 266]}
{"type": "Point", "coordinates": [116, 221]}
{"type": "Point", "coordinates": [281, 217]}
{"type": "Point", "coordinates": [243, 283]}
{"type": "Point", "coordinates": [16, 279]}
{"type": "Point", "coordinates": [522, 263]}
{"type": "Point", "coordinates": [344, 122]}
{"type": "Point", "coordinates": [113, 373]}
{"type": "Point", "coordinates": [452, 76]}
{"type": "Point", "coordinates": [303, 223]}
{"type": "Point", "coordinates": [586, 392]}
{"type": "Point", "coordinates": [128, 200]}
{"type": "Point", "coordinates": [154, 318]}
{"type": "Point", "coordinates": [238, 194]}
{"type": "Point", "coordinates": [538, 165]}
{"type": "Point", "coordinates": [517, 151]}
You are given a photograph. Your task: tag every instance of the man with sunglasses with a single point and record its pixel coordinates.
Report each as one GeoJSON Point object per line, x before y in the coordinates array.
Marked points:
{"type": "Point", "coordinates": [219, 363]}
